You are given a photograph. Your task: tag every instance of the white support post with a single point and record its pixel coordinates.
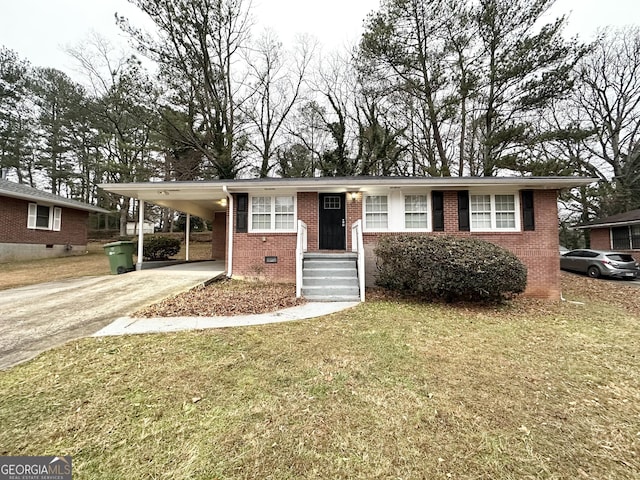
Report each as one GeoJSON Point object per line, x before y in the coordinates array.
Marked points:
{"type": "Point", "coordinates": [230, 216]}
{"type": "Point", "coordinates": [140, 233]}
{"type": "Point", "coordinates": [188, 234]}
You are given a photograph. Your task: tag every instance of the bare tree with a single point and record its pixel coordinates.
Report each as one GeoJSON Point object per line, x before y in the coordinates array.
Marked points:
{"type": "Point", "coordinates": [197, 46]}
{"type": "Point", "coordinates": [276, 85]}
{"type": "Point", "coordinates": [337, 87]}
{"type": "Point", "coordinates": [608, 101]}
{"type": "Point", "coordinates": [120, 112]}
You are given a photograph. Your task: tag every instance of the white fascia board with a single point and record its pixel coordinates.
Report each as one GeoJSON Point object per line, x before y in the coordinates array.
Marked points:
{"type": "Point", "coordinates": [608, 225]}
{"type": "Point", "coordinates": [443, 183]}
{"type": "Point", "coordinates": [197, 189]}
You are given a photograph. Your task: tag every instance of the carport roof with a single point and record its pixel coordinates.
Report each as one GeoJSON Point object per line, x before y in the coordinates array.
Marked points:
{"type": "Point", "coordinates": [24, 192]}
{"type": "Point", "coordinates": [203, 198]}
{"type": "Point", "coordinates": [631, 217]}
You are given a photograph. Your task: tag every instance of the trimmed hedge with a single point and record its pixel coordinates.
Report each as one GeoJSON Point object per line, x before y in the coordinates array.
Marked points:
{"type": "Point", "coordinates": [157, 247]}
{"type": "Point", "coordinates": [449, 268]}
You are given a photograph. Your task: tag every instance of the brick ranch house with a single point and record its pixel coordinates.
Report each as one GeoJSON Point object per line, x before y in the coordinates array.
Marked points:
{"type": "Point", "coordinates": [321, 232]}
{"type": "Point", "coordinates": [37, 224]}
{"type": "Point", "coordinates": [618, 232]}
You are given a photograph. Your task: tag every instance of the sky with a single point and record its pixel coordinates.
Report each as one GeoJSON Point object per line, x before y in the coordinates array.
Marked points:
{"type": "Point", "coordinates": [41, 30]}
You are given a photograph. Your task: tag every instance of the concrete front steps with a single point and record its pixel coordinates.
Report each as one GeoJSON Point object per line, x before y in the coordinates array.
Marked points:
{"type": "Point", "coordinates": [330, 277]}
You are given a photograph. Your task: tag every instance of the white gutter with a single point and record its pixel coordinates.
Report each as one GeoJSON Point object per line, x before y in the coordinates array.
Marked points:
{"type": "Point", "coordinates": [229, 231]}
{"type": "Point", "coordinates": [607, 225]}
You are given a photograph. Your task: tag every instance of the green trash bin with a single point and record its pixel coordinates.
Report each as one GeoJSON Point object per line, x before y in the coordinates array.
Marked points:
{"type": "Point", "coordinates": [120, 256]}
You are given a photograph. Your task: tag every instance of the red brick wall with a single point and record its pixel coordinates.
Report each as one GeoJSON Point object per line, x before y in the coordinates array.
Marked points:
{"type": "Point", "coordinates": [250, 249]}
{"type": "Point", "coordinates": [219, 236]}
{"type": "Point", "coordinates": [538, 249]}
{"type": "Point", "coordinates": [13, 225]}
{"type": "Point", "coordinates": [600, 239]}
{"type": "Point", "coordinates": [308, 213]}
{"type": "Point", "coordinates": [354, 213]}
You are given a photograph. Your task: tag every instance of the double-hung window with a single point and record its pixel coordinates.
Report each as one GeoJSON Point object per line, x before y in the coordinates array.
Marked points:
{"type": "Point", "coordinates": [415, 212]}
{"type": "Point", "coordinates": [273, 213]}
{"type": "Point", "coordinates": [376, 212]}
{"type": "Point", "coordinates": [44, 217]}
{"type": "Point", "coordinates": [493, 212]}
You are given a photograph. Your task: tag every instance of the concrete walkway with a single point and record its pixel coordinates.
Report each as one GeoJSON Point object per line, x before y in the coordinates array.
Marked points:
{"type": "Point", "coordinates": [128, 325]}
{"type": "Point", "coordinates": [38, 317]}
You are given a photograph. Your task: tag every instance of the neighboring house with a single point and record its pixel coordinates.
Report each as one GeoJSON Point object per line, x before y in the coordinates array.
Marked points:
{"type": "Point", "coordinates": [37, 224]}
{"type": "Point", "coordinates": [321, 232]}
{"type": "Point", "coordinates": [619, 232]}
{"type": "Point", "coordinates": [132, 227]}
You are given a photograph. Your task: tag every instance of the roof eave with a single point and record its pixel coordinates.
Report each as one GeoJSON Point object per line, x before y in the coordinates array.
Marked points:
{"type": "Point", "coordinates": [238, 185]}
{"type": "Point", "coordinates": [44, 200]}
{"type": "Point", "coordinates": [608, 225]}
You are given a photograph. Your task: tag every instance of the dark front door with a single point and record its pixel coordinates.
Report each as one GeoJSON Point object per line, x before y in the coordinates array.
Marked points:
{"type": "Point", "coordinates": [332, 221]}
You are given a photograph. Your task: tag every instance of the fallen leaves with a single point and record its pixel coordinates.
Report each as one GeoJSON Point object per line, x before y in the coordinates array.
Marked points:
{"type": "Point", "coordinates": [620, 293]}
{"type": "Point", "coordinates": [225, 298]}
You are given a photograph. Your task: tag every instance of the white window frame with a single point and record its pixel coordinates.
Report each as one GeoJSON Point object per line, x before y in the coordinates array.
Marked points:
{"type": "Point", "coordinates": [516, 212]}
{"type": "Point", "coordinates": [396, 210]}
{"type": "Point", "coordinates": [364, 212]}
{"type": "Point", "coordinates": [55, 217]}
{"type": "Point", "coordinates": [427, 211]}
{"type": "Point", "coordinates": [272, 214]}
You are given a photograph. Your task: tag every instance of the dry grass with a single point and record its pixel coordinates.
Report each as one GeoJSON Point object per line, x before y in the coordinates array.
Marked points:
{"type": "Point", "coordinates": [94, 262]}
{"type": "Point", "coordinates": [390, 389]}
{"type": "Point", "coordinates": [20, 274]}
{"type": "Point", "coordinates": [197, 251]}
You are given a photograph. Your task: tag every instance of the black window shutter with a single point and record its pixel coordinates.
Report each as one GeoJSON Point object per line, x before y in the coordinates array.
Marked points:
{"type": "Point", "coordinates": [463, 211]}
{"type": "Point", "coordinates": [527, 210]}
{"type": "Point", "coordinates": [242, 212]}
{"type": "Point", "coordinates": [437, 207]}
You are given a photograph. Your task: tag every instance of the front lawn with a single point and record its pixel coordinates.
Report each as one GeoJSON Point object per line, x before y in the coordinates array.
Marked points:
{"type": "Point", "coordinates": [389, 389]}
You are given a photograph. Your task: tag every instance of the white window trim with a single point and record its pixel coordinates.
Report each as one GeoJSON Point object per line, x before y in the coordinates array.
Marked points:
{"type": "Point", "coordinates": [493, 228]}
{"type": "Point", "coordinates": [55, 217]}
{"type": "Point", "coordinates": [273, 213]}
{"type": "Point", "coordinates": [364, 211]}
{"type": "Point", "coordinates": [428, 212]}
{"type": "Point", "coordinates": [396, 211]}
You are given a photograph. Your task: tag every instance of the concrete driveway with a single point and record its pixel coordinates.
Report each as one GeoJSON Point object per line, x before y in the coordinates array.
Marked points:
{"type": "Point", "coordinates": [38, 317]}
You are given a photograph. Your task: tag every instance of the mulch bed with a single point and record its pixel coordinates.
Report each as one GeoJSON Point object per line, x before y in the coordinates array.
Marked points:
{"type": "Point", "coordinates": [225, 298]}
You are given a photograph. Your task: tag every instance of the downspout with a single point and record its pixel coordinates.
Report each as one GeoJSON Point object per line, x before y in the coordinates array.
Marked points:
{"type": "Point", "coordinates": [229, 231]}
{"type": "Point", "coordinates": [140, 233]}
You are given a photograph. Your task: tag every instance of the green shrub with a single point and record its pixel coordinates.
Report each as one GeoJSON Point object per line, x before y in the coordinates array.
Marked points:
{"type": "Point", "coordinates": [449, 268]}
{"type": "Point", "coordinates": [159, 247]}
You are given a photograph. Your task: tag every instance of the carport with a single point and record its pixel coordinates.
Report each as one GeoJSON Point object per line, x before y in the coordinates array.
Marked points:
{"type": "Point", "coordinates": [207, 200]}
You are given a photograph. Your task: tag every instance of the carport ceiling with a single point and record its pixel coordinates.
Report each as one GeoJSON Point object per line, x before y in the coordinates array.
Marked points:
{"type": "Point", "coordinates": [202, 200]}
